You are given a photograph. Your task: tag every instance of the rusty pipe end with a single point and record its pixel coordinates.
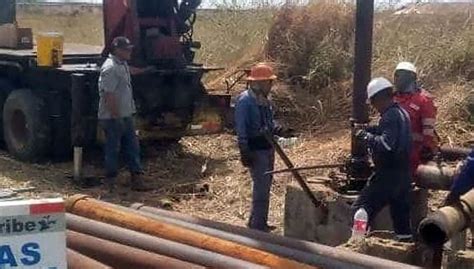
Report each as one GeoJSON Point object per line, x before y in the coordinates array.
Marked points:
{"type": "Point", "coordinates": [137, 206]}
{"type": "Point", "coordinates": [433, 231]}
{"type": "Point", "coordinates": [71, 201]}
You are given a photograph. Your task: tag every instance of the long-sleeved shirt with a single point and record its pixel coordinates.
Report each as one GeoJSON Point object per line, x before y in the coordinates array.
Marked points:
{"type": "Point", "coordinates": [390, 141]}
{"type": "Point", "coordinates": [420, 106]}
{"type": "Point", "coordinates": [465, 181]}
{"type": "Point", "coordinates": [252, 119]}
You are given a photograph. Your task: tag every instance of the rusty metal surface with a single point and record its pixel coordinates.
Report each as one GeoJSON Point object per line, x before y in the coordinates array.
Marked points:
{"type": "Point", "coordinates": [76, 260]}
{"type": "Point", "coordinates": [97, 210]}
{"type": "Point", "coordinates": [283, 251]}
{"type": "Point", "coordinates": [435, 177]}
{"type": "Point", "coordinates": [454, 153]}
{"type": "Point", "coordinates": [327, 257]}
{"type": "Point", "coordinates": [155, 244]}
{"type": "Point", "coordinates": [448, 221]}
{"type": "Point", "coordinates": [120, 256]}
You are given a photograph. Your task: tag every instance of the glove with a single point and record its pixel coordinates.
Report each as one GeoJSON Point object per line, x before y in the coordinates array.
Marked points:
{"type": "Point", "coordinates": [426, 154]}
{"type": "Point", "coordinates": [361, 135]}
{"type": "Point", "coordinates": [246, 158]}
{"type": "Point", "coordinates": [451, 199]}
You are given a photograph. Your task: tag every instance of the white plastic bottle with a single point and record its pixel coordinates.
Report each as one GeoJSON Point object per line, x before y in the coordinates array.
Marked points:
{"type": "Point", "coordinates": [359, 228]}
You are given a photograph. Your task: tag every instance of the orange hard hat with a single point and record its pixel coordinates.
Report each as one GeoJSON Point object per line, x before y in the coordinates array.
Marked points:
{"type": "Point", "coordinates": [261, 71]}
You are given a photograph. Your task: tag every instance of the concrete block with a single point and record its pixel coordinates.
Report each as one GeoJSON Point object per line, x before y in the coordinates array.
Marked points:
{"type": "Point", "coordinates": [461, 260]}
{"type": "Point", "coordinates": [333, 227]}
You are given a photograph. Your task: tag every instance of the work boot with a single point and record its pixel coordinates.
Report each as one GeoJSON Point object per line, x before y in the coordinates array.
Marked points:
{"type": "Point", "coordinates": [404, 238]}
{"type": "Point", "coordinates": [269, 228]}
{"type": "Point", "coordinates": [111, 189]}
{"type": "Point", "coordinates": [138, 184]}
{"type": "Point", "coordinates": [110, 183]}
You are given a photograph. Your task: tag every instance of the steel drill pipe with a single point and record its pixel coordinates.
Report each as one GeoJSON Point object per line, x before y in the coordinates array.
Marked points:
{"type": "Point", "coordinates": [364, 24]}
{"type": "Point", "coordinates": [434, 177]}
{"type": "Point", "coordinates": [290, 253]}
{"type": "Point", "coordinates": [155, 244]}
{"type": "Point", "coordinates": [448, 221]}
{"type": "Point", "coordinates": [120, 256]}
{"type": "Point", "coordinates": [94, 209]}
{"type": "Point", "coordinates": [328, 257]}
{"type": "Point", "coordinates": [76, 260]}
{"type": "Point", "coordinates": [454, 153]}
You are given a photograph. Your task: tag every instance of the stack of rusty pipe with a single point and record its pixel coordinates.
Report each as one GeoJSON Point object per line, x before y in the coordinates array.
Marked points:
{"type": "Point", "coordinates": [104, 235]}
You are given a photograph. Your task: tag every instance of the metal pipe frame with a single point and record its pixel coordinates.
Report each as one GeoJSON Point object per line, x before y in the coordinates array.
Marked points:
{"type": "Point", "coordinates": [94, 209]}
{"type": "Point", "coordinates": [120, 256]}
{"type": "Point", "coordinates": [324, 256]}
{"type": "Point", "coordinates": [154, 244]}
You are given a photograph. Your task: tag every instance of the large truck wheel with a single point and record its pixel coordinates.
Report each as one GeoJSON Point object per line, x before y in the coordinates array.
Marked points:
{"type": "Point", "coordinates": [26, 129]}
{"type": "Point", "coordinates": [5, 89]}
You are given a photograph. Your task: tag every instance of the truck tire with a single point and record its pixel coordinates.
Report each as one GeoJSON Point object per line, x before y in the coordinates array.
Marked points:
{"type": "Point", "coordinates": [26, 129]}
{"type": "Point", "coordinates": [5, 89]}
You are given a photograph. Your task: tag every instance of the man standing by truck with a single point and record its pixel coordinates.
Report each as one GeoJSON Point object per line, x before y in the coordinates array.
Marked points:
{"type": "Point", "coordinates": [420, 106]}
{"type": "Point", "coordinates": [116, 110]}
{"type": "Point", "coordinates": [254, 118]}
{"type": "Point", "coordinates": [389, 143]}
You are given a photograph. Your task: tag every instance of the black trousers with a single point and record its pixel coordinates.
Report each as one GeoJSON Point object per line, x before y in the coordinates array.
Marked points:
{"type": "Point", "coordinates": [390, 190]}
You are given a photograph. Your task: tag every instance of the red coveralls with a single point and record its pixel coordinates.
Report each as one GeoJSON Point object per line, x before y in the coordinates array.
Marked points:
{"type": "Point", "coordinates": [422, 111]}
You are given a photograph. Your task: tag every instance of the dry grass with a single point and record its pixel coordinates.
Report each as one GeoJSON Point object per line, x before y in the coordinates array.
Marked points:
{"type": "Point", "coordinates": [80, 28]}
{"type": "Point", "coordinates": [313, 42]}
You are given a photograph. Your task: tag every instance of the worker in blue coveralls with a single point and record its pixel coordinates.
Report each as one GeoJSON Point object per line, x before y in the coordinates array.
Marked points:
{"type": "Point", "coordinates": [389, 144]}
{"type": "Point", "coordinates": [464, 182]}
{"type": "Point", "coordinates": [254, 118]}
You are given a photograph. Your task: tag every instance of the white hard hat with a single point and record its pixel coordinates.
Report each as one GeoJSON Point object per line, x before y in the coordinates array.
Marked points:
{"type": "Point", "coordinates": [377, 85]}
{"type": "Point", "coordinates": [406, 66]}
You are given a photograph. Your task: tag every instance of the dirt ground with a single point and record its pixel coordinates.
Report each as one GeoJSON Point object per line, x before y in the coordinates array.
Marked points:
{"type": "Point", "coordinates": [201, 176]}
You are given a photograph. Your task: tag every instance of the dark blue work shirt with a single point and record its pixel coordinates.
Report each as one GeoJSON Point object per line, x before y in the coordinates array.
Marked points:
{"type": "Point", "coordinates": [465, 181]}
{"type": "Point", "coordinates": [252, 120]}
{"type": "Point", "coordinates": [390, 142]}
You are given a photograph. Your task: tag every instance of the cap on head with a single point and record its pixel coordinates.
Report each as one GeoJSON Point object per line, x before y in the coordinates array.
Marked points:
{"type": "Point", "coordinates": [261, 71]}
{"type": "Point", "coordinates": [121, 42]}
{"type": "Point", "coordinates": [407, 66]}
{"type": "Point", "coordinates": [377, 85]}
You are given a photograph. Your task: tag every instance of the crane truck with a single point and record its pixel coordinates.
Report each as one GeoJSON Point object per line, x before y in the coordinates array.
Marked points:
{"type": "Point", "coordinates": [46, 110]}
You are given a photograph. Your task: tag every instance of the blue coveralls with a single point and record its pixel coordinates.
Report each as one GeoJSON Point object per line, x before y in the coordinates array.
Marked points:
{"type": "Point", "coordinates": [389, 144]}
{"type": "Point", "coordinates": [465, 181]}
{"type": "Point", "coordinates": [252, 119]}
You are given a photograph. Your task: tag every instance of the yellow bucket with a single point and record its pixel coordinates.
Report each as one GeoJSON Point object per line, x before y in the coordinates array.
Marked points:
{"type": "Point", "coordinates": [49, 49]}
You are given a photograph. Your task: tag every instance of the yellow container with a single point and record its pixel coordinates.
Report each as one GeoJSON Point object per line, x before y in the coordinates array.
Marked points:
{"type": "Point", "coordinates": [49, 49]}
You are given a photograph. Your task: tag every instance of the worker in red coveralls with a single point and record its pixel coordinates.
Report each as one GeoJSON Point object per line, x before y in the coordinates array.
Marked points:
{"type": "Point", "coordinates": [420, 106]}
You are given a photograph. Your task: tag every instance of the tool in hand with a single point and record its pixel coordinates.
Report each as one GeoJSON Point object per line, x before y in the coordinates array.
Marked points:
{"type": "Point", "coordinates": [313, 167]}
{"type": "Point", "coordinates": [271, 139]}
